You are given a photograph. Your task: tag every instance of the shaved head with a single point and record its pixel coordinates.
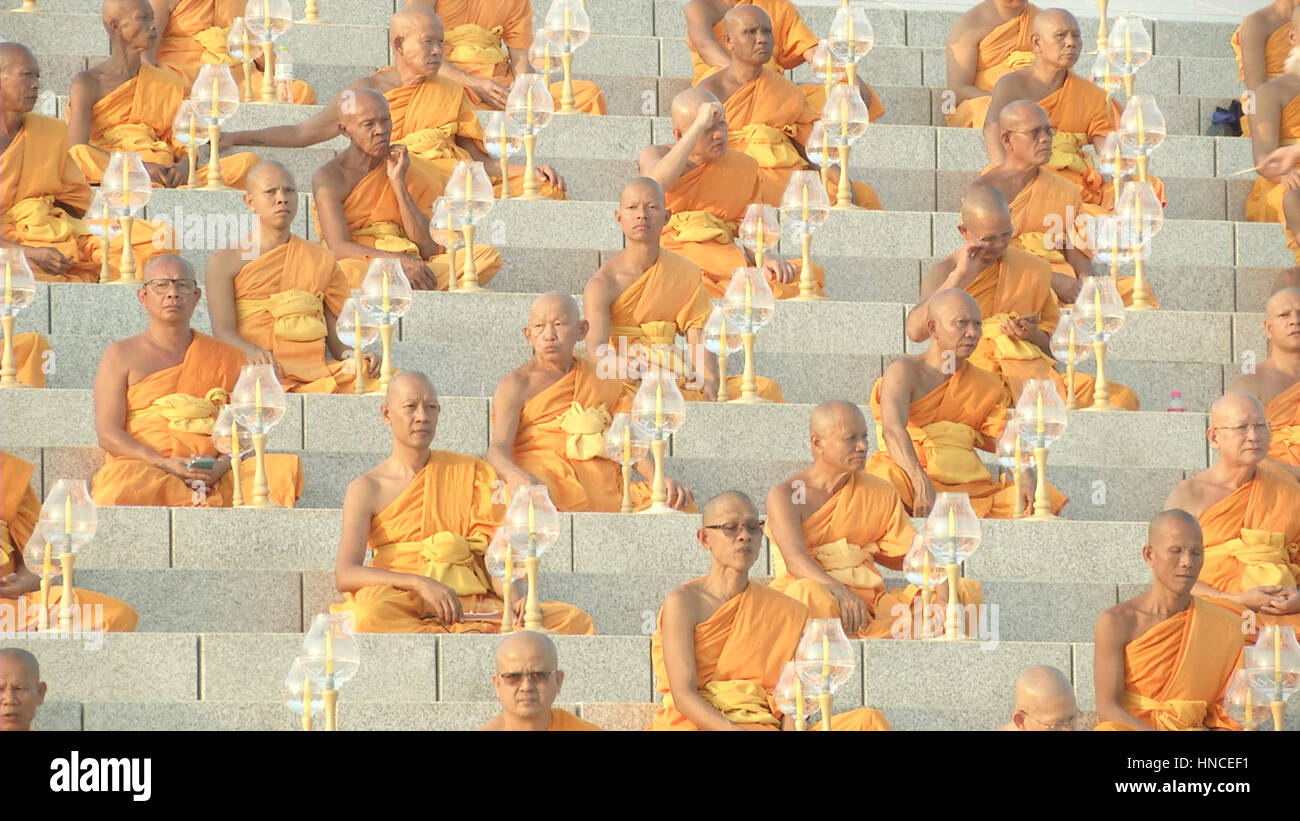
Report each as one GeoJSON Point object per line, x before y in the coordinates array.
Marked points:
{"type": "Point", "coordinates": [837, 433]}
{"type": "Point", "coordinates": [554, 300]}
{"type": "Point", "coordinates": [1175, 550]}
{"type": "Point", "coordinates": [555, 326]}
{"type": "Point", "coordinates": [21, 690]}
{"type": "Point", "coordinates": [1287, 295]}
{"type": "Point", "coordinates": [728, 500]}
{"type": "Point", "coordinates": [1282, 320]}
{"type": "Point", "coordinates": [406, 380]}
{"type": "Point", "coordinates": [1174, 520]}
{"type": "Point", "coordinates": [983, 202]}
{"type": "Point", "coordinates": [415, 17]}
{"type": "Point", "coordinates": [357, 102]}
{"type": "Point", "coordinates": [22, 78]}
{"type": "Point", "coordinates": [365, 119]}
{"type": "Point", "coordinates": [528, 642]}
{"type": "Point", "coordinates": [120, 9]}
{"type": "Point", "coordinates": [527, 680]}
{"type": "Point", "coordinates": [1056, 39]}
{"type": "Point", "coordinates": [30, 667]}
{"type": "Point", "coordinates": [1051, 20]}
{"type": "Point", "coordinates": [832, 415]}
{"type": "Point", "coordinates": [1239, 430]}
{"type": "Point", "coordinates": [952, 301]}
{"type": "Point", "coordinates": [1044, 700]}
{"type": "Point", "coordinates": [10, 51]}
{"type": "Point", "coordinates": [742, 15]}
{"type": "Point", "coordinates": [1227, 407]}
{"type": "Point", "coordinates": [1026, 134]}
{"type": "Point", "coordinates": [267, 172]}
{"type": "Point", "coordinates": [168, 265]}
{"type": "Point", "coordinates": [639, 186]}
{"type": "Point", "coordinates": [747, 35]}
{"type": "Point", "coordinates": [686, 103]}
{"type": "Point", "coordinates": [1022, 114]}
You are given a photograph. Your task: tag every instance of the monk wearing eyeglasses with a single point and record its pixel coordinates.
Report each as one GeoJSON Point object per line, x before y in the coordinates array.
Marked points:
{"type": "Point", "coordinates": [1044, 702]}
{"type": "Point", "coordinates": [1276, 380]}
{"type": "Point", "coordinates": [527, 682]}
{"type": "Point", "coordinates": [1249, 511]}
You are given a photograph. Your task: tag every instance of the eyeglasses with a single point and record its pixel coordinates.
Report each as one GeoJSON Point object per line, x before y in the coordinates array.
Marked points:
{"type": "Point", "coordinates": [1046, 131]}
{"type": "Point", "coordinates": [536, 677]}
{"type": "Point", "coordinates": [732, 529]}
{"type": "Point", "coordinates": [1240, 430]}
{"type": "Point", "coordinates": [163, 285]}
{"type": "Point", "coordinates": [1071, 723]}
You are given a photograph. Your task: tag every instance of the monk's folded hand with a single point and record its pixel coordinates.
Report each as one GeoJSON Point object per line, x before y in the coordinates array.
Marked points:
{"type": "Point", "coordinates": [679, 494]}
{"type": "Point", "coordinates": [1290, 180]}
{"type": "Point", "coordinates": [16, 584]}
{"type": "Point", "coordinates": [780, 270]}
{"type": "Point", "coordinates": [1026, 500]}
{"type": "Point", "coordinates": [372, 364]}
{"type": "Point", "coordinates": [493, 94]}
{"type": "Point", "coordinates": [1280, 161]}
{"type": "Point", "coordinates": [395, 165]}
{"type": "Point", "coordinates": [966, 268]}
{"type": "Point", "coordinates": [440, 601]}
{"type": "Point", "coordinates": [709, 388]}
{"type": "Point", "coordinates": [418, 273]}
{"type": "Point", "coordinates": [49, 260]}
{"type": "Point", "coordinates": [180, 468]}
{"type": "Point", "coordinates": [922, 495]}
{"type": "Point", "coordinates": [1011, 329]}
{"type": "Point", "coordinates": [1283, 604]}
{"type": "Point", "coordinates": [1258, 598]}
{"type": "Point", "coordinates": [853, 610]}
{"type": "Point", "coordinates": [1066, 288]}
{"type": "Point", "coordinates": [518, 605]}
{"type": "Point", "coordinates": [164, 175]}
{"type": "Point", "coordinates": [547, 174]}
{"type": "Point", "coordinates": [208, 477]}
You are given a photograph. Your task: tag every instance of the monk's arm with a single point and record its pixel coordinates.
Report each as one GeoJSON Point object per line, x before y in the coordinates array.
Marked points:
{"type": "Point", "coordinates": [81, 102]}
{"type": "Point", "coordinates": [597, 297]}
{"type": "Point", "coordinates": [332, 226]}
{"type": "Point", "coordinates": [415, 223]}
{"type": "Point", "coordinates": [1264, 125]}
{"type": "Point", "coordinates": [703, 360]}
{"type": "Point", "coordinates": [699, 31]}
{"type": "Point", "coordinates": [895, 399]}
{"type": "Point", "coordinates": [1108, 671]}
{"type": "Point", "coordinates": [961, 59]}
{"type": "Point", "coordinates": [478, 153]}
{"type": "Point", "coordinates": [507, 403]}
{"type": "Point", "coordinates": [939, 278]}
{"type": "Point", "coordinates": [110, 410]}
{"type": "Point", "coordinates": [1003, 94]}
{"type": "Point", "coordinates": [350, 570]}
{"type": "Point", "coordinates": [787, 533]}
{"type": "Point", "coordinates": [219, 289]}
{"type": "Point", "coordinates": [678, 627]}
{"type": "Point", "coordinates": [318, 128]}
{"type": "Point", "coordinates": [1254, 37]}
{"type": "Point", "coordinates": [519, 60]}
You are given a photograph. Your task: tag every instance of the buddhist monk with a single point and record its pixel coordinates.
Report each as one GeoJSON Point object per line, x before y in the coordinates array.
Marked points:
{"type": "Point", "coordinates": [281, 307]}
{"type": "Point", "coordinates": [769, 116]}
{"type": "Point", "coordinates": [372, 199]}
{"type": "Point", "coordinates": [43, 193]}
{"type": "Point", "coordinates": [195, 32]}
{"type": "Point", "coordinates": [1044, 702]}
{"type": "Point", "coordinates": [1249, 511]}
{"type": "Point", "coordinates": [1275, 123]}
{"type": "Point", "coordinates": [1080, 111]}
{"type": "Point", "coordinates": [428, 516]}
{"type": "Point", "coordinates": [722, 639]}
{"type": "Point", "coordinates": [1163, 660]}
{"type": "Point", "coordinates": [933, 409]}
{"type": "Point", "coordinates": [125, 104]}
{"type": "Point", "coordinates": [21, 690]}
{"type": "Point", "coordinates": [1276, 380]}
{"type": "Point", "coordinates": [549, 418]}
{"type": "Point", "coordinates": [794, 43]}
{"type": "Point", "coordinates": [708, 187]}
{"type": "Point", "coordinates": [156, 396]}
{"type": "Point", "coordinates": [476, 59]}
{"type": "Point", "coordinates": [1261, 45]}
{"type": "Point", "coordinates": [833, 523]}
{"type": "Point", "coordinates": [988, 41]}
{"type": "Point", "coordinates": [648, 296]}
{"type": "Point", "coordinates": [432, 115]}
{"type": "Point", "coordinates": [527, 682]}
{"type": "Point", "coordinates": [20, 588]}
{"type": "Point", "coordinates": [1014, 290]}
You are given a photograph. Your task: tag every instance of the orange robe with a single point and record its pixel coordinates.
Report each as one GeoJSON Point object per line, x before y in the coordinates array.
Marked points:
{"type": "Point", "coordinates": [475, 33]}
{"type": "Point", "coordinates": [739, 653]}
{"type": "Point", "coordinates": [439, 527]}
{"type": "Point", "coordinates": [1177, 673]}
{"type": "Point", "coordinates": [1017, 285]}
{"type": "Point", "coordinates": [561, 440]}
{"type": "Point", "coordinates": [563, 721]}
{"type": "Point", "coordinates": [1080, 111]}
{"type": "Point", "coordinates": [280, 303]}
{"type": "Point", "coordinates": [1264, 203]}
{"type": "Point", "coordinates": [861, 523]}
{"type": "Point", "coordinates": [20, 509]}
{"type": "Point", "coordinates": [764, 116]}
{"type": "Point", "coordinates": [1276, 49]}
{"type": "Point", "coordinates": [1284, 422]}
{"type": "Point", "coordinates": [196, 33]}
{"type": "Point", "coordinates": [1252, 538]}
{"type": "Point", "coordinates": [430, 115]}
{"type": "Point", "coordinates": [137, 116]}
{"type": "Point", "coordinates": [708, 203]}
{"type": "Point", "coordinates": [172, 411]}
{"type": "Point", "coordinates": [37, 179]}
{"type": "Point", "coordinates": [1003, 50]}
{"type": "Point", "coordinates": [669, 299]}
{"type": "Point", "coordinates": [375, 220]}
{"type": "Point", "coordinates": [967, 411]}
{"type": "Point", "coordinates": [29, 357]}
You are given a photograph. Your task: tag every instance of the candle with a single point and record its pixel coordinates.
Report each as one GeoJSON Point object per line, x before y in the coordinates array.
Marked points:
{"type": "Point", "coordinates": [1142, 132]}
{"type": "Point", "coordinates": [329, 650]}
{"type": "Point", "coordinates": [1128, 46]}
{"type": "Point", "coordinates": [510, 567]}
{"type": "Point", "coordinates": [385, 294]}
{"type": "Point", "coordinates": [266, 13]}
{"type": "Point", "coordinates": [502, 138]}
{"type": "Point", "coordinates": [126, 183]}
{"type": "Point", "coordinates": [257, 400]}
{"type": "Point", "coordinates": [528, 109]}
{"type": "Point", "coordinates": [1019, 457]}
{"type": "Point", "coordinates": [659, 406]}
{"type": "Point", "coordinates": [1040, 414]}
{"type": "Point", "coordinates": [306, 696]}
{"type": "Point", "coordinates": [925, 570]}
{"type": "Point", "coordinates": [9, 283]}
{"type": "Point", "coordinates": [1071, 353]}
{"type": "Point", "coordinates": [1277, 655]}
{"type": "Point", "coordinates": [798, 698]}
{"type": "Point", "coordinates": [749, 298]}
{"type": "Point", "coordinates": [216, 98]}
{"type": "Point", "coordinates": [627, 445]}
{"type": "Point", "coordinates": [804, 189]}
{"type": "Point", "coordinates": [1249, 710]}
{"type": "Point", "coordinates": [844, 117]}
{"type": "Point", "coordinates": [67, 515]}
{"type": "Point", "coordinates": [469, 189]}
{"type": "Point", "coordinates": [762, 236]}
{"type": "Point", "coordinates": [47, 567]}
{"type": "Point", "coordinates": [1096, 302]}
{"type": "Point", "coordinates": [952, 532]}
{"type": "Point", "coordinates": [194, 130]}
{"type": "Point", "coordinates": [566, 27]}
{"type": "Point", "coordinates": [826, 661]}
{"type": "Point", "coordinates": [532, 519]}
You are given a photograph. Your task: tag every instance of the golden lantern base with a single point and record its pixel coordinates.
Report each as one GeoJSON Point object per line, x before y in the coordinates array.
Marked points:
{"type": "Point", "coordinates": [807, 285]}
{"type": "Point", "coordinates": [952, 623]}
{"type": "Point", "coordinates": [311, 14]}
{"type": "Point", "coordinates": [1278, 708]}
{"type": "Point", "coordinates": [268, 69]}
{"type": "Point", "coordinates": [8, 364]}
{"type": "Point", "coordinates": [130, 275]}
{"type": "Point", "coordinates": [532, 607]}
{"type": "Point", "coordinates": [844, 189]}
{"type": "Point", "coordinates": [826, 701]}
{"type": "Point", "coordinates": [215, 183]}
{"type": "Point", "coordinates": [723, 395]}
{"type": "Point", "coordinates": [1019, 485]}
{"type": "Point", "coordinates": [331, 698]}
{"type": "Point", "coordinates": [28, 6]}
{"type": "Point", "coordinates": [1141, 291]}
{"type": "Point", "coordinates": [627, 507]}
{"type": "Point", "coordinates": [66, 602]}
{"type": "Point", "coordinates": [1042, 498]}
{"type": "Point", "coordinates": [1101, 390]}
{"type": "Point", "coordinates": [261, 491]}
{"type": "Point", "coordinates": [469, 278]}
{"type": "Point", "coordinates": [749, 382]}
{"type": "Point", "coordinates": [386, 364]}
{"type": "Point", "coordinates": [568, 105]}
{"type": "Point", "coordinates": [237, 490]}
{"type": "Point", "coordinates": [530, 168]}
{"type": "Point", "coordinates": [659, 487]}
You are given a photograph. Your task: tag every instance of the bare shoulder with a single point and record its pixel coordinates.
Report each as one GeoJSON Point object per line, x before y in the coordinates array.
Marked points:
{"type": "Point", "coordinates": [969, 23]}
{"type": "Point", "coordinates": [1253, 383]}
{"type": "Point", "coordinates": [1117, 623]}
{"type": "Point", "coordinates": [1186, 495]}
{"type": "Point", "coordinates": [223, 265]}
{"type": "Point", "coordinates": [1011, 83]}
{"type": "Point", "coordinates": [707, 12]}
{"type": "Point", "coordinates": [603, 284]}
{"type": "Point", "coordinates": [493, 724]}
{"type": "Point", "coordinates": [685, 603]}
{"type": "Point", "coordinates": [511, 387]}
{"type": "Point", "coordinates": [649, 156]}
{"type": "Point", "coordinates": [713, 85]}
{"type": "Point", "coordinates": [328, 176]}
{"type": "Point", "coordinates": [85, 82]}
{"type": "Point", "coordinates": [901, 369]}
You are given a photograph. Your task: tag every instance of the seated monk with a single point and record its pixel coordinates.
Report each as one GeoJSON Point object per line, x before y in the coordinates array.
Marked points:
{"type": "Point", "coordinates": [722, 639]}
{"type": "Point", "coordinates": [428, 516]}
{"type": "Point", "coordinates": [1276, 380]}
{"type": "Point", "coordinates": [1164, 660]}
{"type": "Point", "coordinates": [646, 295]}
{"type": "Point", "coordinates": [156, 396]}
{"type": "Point", "coordinates": [708, 187]}
{"type": "Point", "coordinates": [20, 588]}
{"type": "Point", "coordinates": [476, 60]}
{"type": "Point", "coordinates": [1013, 289]}
{"type": "Point", "coordinates": [793, 44]}
{"type": "Point", "coordinates": [373, 200]}
{"type": "Point", "coordinates": [1261, 45]}
{"type": "Point", "coordinates": [21, 690]}
{"type": "Point", "coordinates": [933, 409]}
{"type": "Point", "coordinates": [125, 104]}
{"type": "Point", "coordinates": [43, 193]}
{"type": "Point", "coordinates": [527, 682]}
{"type": "Point", "coordinates": [1275, 123]}
{"type": "Point", "coordinates": [833, 522]}
{"type": "Point", "coordinates": [549, 418]}
{"type": "Point", "coordinates": [195, 32]}
{"type": "Point", "coordinates": [432, 115]}
{"type": "Point", "coordinates": [769, 115]}
{"type": "Point", "coordinates": [282, 306]}
{"type": "Point", "coordinates": [1249, 511]}
{"type": "Point", "coordinates": [1080, 111]}
{"type": "Point", "coordinates": [989, 40]}
{"type": "Point", "coordinates": [1044, 702]}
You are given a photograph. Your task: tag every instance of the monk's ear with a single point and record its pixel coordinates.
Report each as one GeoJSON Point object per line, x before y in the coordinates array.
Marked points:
{"type": "Point", "coordinates": [1147, 550]}
{"type": "Point", "coordinates": [583, 327]}
{"type": "Point", "coordinates": [384, 414]}
{"type": "Point", "coordinates": [40, 694]}
{"type": "Point", "coordinates": [668, 214]}
{"type": "Point", "coordinates": [559, 681]}
{"type": "Point", "coordinates": [1019, 719]}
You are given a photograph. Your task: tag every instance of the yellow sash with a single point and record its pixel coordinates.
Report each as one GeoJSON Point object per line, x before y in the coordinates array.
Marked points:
{"type": "Point", "coordinates": [1288, 435]}
{"type": "Point", "coordinates": [388, 237]}
{"type": "Point", "coordinates": [1032, 241]}
{"type": "Point", "coordinates": [1067, 153]}
{"type": "Point", "coordinates": [1007, 348]}
{"type": "Point", "coordinates": [135, 137]}
{"type": "Point", "coordinates": [769, 146]}
{"type": "Point", "coordinates": [185, 412]}
{"type": "Point", "coordinates": [843, 561]}
{"type": "Point", "coordinates": [586, 431]}
{"type": "Point", "coordinates": [216, 47]}
{"type": "Point", "coordinates": [471, 43]}
{"type": "Point", "coordinates": [701, 226]}
{"type": "Point", "coordinates": [948, 451]}
{"type": "Point", "coordinates": [38, 220]}
{"type": "Point", "coordinates": [445, 557]}
{"type": "Point", "coordinates": [1175, 714]}
{"type": "Point", "coordinates": [1263, 554]}
{"type": "Point", "coordinates": [1017, 60]}
{"type": "Point", "coordinates": [298, 314]}
{"type": "Point", "coordinates": [741, 702]}
{"type": "Point", "coordinates": [434, 143]}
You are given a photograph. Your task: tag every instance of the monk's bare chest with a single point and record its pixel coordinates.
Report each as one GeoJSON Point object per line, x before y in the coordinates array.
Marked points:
{"type": "Point", "coordinates": [146, 361]}
{"type": "Point", "coordinates": [108, 83]}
